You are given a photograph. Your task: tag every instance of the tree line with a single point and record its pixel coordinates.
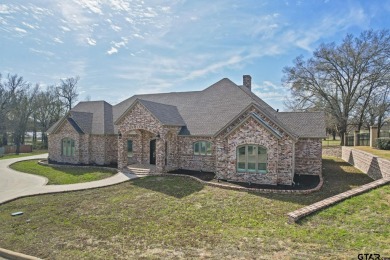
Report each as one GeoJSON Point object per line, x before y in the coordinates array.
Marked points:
{"type": "Point", "coordinates": [350, 81]}
{"type": "Point", "coordinates": [30, 107]}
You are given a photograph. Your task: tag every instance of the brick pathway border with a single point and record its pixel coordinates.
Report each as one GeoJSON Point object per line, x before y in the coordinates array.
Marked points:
{"type": "Point", "coordinates": [294, 216]}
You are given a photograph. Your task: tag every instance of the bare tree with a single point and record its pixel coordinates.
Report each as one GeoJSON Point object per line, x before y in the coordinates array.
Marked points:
{"type": "Point", "coordinates": [68, 91]}
{"type": "Point", "coordinates": [9, 89]}
{"type": "Point", "coordinates": [20, 114]}
{"type": "Point", "coordinates": [48, 110]}
{"type": "Point", "coordinates": [338, 77]}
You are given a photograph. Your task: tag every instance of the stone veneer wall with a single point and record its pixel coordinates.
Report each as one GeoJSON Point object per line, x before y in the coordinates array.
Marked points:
{"type": "Point", "coordinates": [334, 151]}
{"type": "Point", "coordinates": [308, 156]}
{"type": "Point", "coordinates": [89, 149]}
{"type": "Point", "coordinates": [55, 145]}
{"type": "Point", "coordinates": [189, 161]}
{"type": "Point", "coordinates": [279, 155]}
{"type": "Point", "coordinates": [374, 166]}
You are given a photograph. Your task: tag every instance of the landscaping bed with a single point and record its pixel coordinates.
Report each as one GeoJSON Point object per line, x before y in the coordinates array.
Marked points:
{"type": "Point", "coordinates": [302, 182]}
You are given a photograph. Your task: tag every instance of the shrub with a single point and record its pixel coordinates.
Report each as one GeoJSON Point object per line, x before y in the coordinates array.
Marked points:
{"type": "Point", "coordinates": [383, 143]}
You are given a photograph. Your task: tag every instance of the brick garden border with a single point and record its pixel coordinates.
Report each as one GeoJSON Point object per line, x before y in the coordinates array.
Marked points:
{"type": "Point", "coordinates": [232, 187]}
{"type": "Point", "coordinates": [294, 216]}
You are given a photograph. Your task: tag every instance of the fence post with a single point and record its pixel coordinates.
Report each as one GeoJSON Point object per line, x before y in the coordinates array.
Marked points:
{"type": "Point", "coordinates": [373, 135]}
{"type": "Point", "coordinates": [356, 138]}
{"type": "Point", "coordinates": [345, 139]}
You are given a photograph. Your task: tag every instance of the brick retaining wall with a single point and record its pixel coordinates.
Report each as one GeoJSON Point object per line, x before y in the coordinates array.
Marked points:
{"type": "Point", "coordinates": [334, 151]}
{"type": "Point", "coordinates": [374, 166]}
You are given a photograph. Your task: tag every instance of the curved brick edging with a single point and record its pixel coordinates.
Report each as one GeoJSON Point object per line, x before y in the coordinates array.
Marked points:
{"type": "Point", "coordinates": [231, 187]}
{"type": "Point", "coordinates": [294, 216]}
{"type": "Point", "coordinates": [8, 254]}
{"type": "Point", "coordinates": [43, 163]}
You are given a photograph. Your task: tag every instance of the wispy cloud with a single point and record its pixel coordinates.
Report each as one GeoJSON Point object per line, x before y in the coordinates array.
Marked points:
{"type": "Point", "coordinates": [112, 51]}
{"type": "Point", "coordinates": [20, 30]}
{"type": "Point", "coordinates": [91, 41]}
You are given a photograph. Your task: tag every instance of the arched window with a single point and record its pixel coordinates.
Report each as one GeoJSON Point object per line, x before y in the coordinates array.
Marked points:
{"type": "Point", "coordinates": [202, 148]}
{"type": "Point", "coordinates": [67, 147]}
{"type": "Point", "coordinates": [252, 158]}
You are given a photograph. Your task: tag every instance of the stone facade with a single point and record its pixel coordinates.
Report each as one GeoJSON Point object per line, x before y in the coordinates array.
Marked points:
{"type": "Point", "coordinates": [89, 149]}
{"type": "Point", "coordinates": [308, 156]}
{"type": "Point", "coordinates": [374, 166]}
{"type": "Point", "coordinates": [279, 151]}
{"type": "Point", "coordinates": [286, 155]}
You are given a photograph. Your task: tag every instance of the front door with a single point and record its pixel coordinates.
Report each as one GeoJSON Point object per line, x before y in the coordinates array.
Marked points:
{"type": "Point", "coordinates": [153, 151]}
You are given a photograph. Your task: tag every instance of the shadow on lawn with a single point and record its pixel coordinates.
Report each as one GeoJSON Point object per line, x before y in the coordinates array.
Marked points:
{"type": "Point", "coordinates": [339, 176]}
{"type": "Point", "coordinates": [177, 187]}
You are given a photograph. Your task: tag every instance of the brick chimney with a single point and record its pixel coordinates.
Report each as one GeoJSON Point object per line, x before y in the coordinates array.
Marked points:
{"type": "Point", "coordinates": [247, 81]}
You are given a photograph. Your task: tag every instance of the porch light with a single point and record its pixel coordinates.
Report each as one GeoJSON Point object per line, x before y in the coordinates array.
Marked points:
{"type": "Point", "coordinates": [120, 135]}
{"type": "Point", "coordinates": [158, 135]}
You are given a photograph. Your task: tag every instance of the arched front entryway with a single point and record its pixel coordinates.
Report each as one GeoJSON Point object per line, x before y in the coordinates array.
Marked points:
{"type": "Point", "coordinates": [138, 146]}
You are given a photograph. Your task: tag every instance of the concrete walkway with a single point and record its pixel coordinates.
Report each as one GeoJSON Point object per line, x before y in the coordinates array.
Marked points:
{"type": "Point", "coordinates": [14, 184]}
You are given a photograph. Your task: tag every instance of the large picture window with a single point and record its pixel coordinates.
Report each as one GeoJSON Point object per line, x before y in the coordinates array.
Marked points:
{"type": "Point", "coordinates": [67, 147]}
{"type": "Point", "coordinates": [129, 148]}
{"type": "Point", "coordinates": [252, 158]}
{"type": "Point", "coordinates": [202, 148]}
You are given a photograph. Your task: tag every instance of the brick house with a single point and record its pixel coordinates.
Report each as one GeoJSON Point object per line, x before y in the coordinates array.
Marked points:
{"type": "Point", "coordinates": [224, 128]}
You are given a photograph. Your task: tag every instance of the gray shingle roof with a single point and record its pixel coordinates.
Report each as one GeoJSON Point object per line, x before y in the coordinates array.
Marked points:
{"type": "Point", "coordinates": [304, 124]}
{"type": "Point", "coordinates": [166, 114]}
{"type": "Point", "coordinates": [201, 113]}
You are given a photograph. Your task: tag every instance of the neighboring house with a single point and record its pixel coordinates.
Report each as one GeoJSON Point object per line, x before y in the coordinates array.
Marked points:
{"type": "Point", "coordinates": [224, 128]}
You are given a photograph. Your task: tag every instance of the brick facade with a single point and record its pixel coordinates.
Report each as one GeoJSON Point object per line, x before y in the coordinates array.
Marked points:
{"type": "Point", "coordinates": [285, 155]}
{"type": "Point", "coordinates": [89, 149]}
{"type": "Point", "coordinates": [308, 156]}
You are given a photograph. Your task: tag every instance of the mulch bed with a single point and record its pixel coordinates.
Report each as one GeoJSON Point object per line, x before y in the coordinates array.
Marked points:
{"type": "Point", "coordinates": [302, 182]}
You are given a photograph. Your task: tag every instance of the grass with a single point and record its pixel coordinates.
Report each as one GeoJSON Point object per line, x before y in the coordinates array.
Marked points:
{"type": "Point", "coordinates": [10, 156]}
{"type": "Point", "coordinates": [380, 153]}
{"type": "Point", "coordinates": [330, 142]}
{"type": "Point", "coordinates": [63, 174]}
{"type": "Point", "coordinates": [173, 217]}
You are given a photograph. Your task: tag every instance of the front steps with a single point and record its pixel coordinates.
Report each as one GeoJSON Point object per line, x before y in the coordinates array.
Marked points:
{"type": "Point", "coordinates": [138, 169]}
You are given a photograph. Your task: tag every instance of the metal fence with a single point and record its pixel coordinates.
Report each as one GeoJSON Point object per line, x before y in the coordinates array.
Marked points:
{"type": "Point", "coordinates": [349, 140]}
{"type": "Point", "coordinates": [364, 139]}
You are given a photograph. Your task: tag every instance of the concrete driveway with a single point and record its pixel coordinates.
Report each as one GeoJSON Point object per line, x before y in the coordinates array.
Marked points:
{"type": "Point", "coordinates": [14, 184]}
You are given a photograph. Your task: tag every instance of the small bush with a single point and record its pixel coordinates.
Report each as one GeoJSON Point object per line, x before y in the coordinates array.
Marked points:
{"type": "Point", "coordinates": [383, 143]}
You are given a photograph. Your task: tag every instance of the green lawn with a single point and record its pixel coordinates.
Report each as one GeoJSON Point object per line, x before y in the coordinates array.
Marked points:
{"type": "Point", "coordinates": [9, 156]}
{"type": "Point", "coordinates": [380, 153]}
{"type": "Point", "coordinates": [178, 218]}
{"type": "Point", "coordinates": [63, 174]}
{"type": "Point", "coordinates": [330, 142]}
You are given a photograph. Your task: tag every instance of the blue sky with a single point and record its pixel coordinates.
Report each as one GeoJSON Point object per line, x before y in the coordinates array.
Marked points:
{"type": "Point", "coordinates": [120, 48]}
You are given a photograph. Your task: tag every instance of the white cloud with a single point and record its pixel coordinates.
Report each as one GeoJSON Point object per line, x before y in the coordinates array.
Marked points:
{"type": "Point", "coordinates": [112, 51]}
{"type": "Point", "coordinates": [91, 41]}
{"type": "Point", "coordinates": [116, 28]}
{"type": "Point", "coordinates": [29, 25]}
{"type": "Point", "coordinates": [20, 30]}
{"type": "Point", "coordinates": [4, 9]}
{"type": "Point", "coordinates": [58, 40]}
{"type": "Point", "coordinates": [47, 53]}
{"type": "Point", "coordinates": [92, 5]}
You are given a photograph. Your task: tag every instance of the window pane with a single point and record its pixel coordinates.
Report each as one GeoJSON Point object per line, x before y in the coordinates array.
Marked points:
{"type": "Point", "coordinates": [130, 148]}
{"type": "Point", "coordinates": [262, 150]}
{"type": "Point", "coordinates": [203, 148]}
{"type": "Point", "coordinates": [252, 158]}
{"type": "Point", "coordinates": [196, 148]}
{"type": "Point", "coordinates": [262, 168]}
{"type": "Point", "coordinates": [72, 148]}
{"type": "Point", "coordinates": [241, 159]}
{"type": "Point", "coordinates": [208, 147]}
{"type": "Point", "coordinates": [63, 146]}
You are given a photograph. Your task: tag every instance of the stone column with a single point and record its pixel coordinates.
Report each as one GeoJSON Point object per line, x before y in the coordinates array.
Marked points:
{"type": "Point", "coordinates": [373, 135]}
{"type": "Point", "coordinates": [160, 155]}
{"type": "Point", "coordinates": [356, 138]}
{"type": "Point", "coordinates": [122, 156]}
